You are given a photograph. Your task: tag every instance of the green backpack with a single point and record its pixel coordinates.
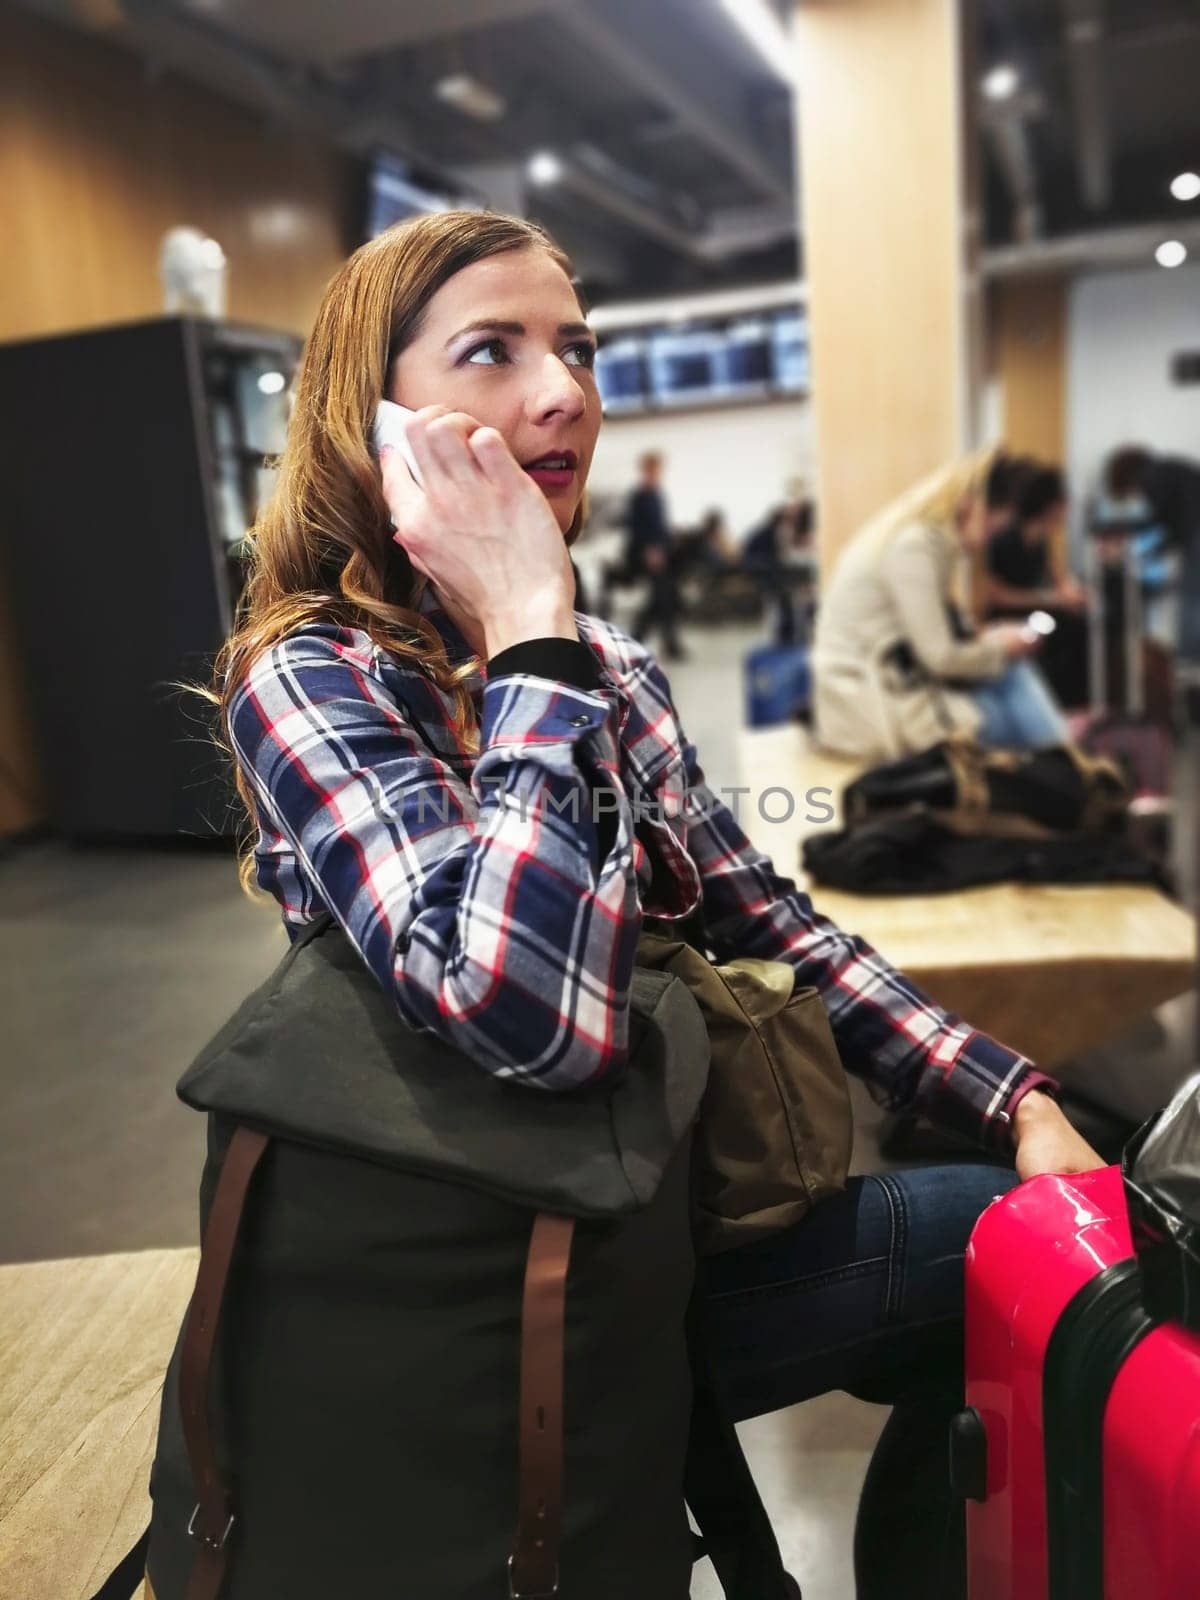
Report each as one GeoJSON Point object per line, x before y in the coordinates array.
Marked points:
{"type": "Point", "coordinates": [440, 1344]}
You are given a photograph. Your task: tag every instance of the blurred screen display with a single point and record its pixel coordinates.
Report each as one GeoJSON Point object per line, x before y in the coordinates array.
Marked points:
{"type": "Point", "coordinates": [789, 344]}
{"type": "Point", "coordinates": [621, 375]}
{"type": "Point", "coordinates": [684, 365]}
{"type": "Point", "coordinates": [746, 357]}
{"type": "Point", "coordinates": [704, 363]}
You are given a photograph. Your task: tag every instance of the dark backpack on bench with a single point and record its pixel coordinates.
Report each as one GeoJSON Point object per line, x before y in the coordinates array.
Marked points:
{"type": "Point", "coordinates": [434, 1308]}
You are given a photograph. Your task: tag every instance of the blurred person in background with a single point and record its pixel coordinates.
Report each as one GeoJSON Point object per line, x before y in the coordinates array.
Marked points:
{"type": "Point", "coordinates": [717, 550]}
{"type": "Point", "coordinates": [1006, 479]}
{"type": "Point", "coordinates": [410, 651]}
{"type": "Point", "coordinates": [777, 553]}
{"type": "Point", "coordinates": [648, 555]}
{"type": "Point", "coordinates": [706, 551]}
{"type": "Point", "coordinates": [1025, 571]}
{"type": "Point", "coordinates": [713, 586]}
{"type": "Point", "coordinates": [896, 668]}
{"type": "Point", "coordinates": [1169, 487]}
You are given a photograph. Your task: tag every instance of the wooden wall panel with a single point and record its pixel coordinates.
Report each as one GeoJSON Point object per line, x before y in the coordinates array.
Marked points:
{"type": "Point", "coordinates": [885, 205]}
{"type": "Point", "coordinates": [1029, 360]}
{"type": "Point", "coordinates": [97, 160]}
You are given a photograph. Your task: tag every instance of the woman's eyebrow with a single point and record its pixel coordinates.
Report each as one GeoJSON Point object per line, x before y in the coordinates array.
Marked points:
{"type": "Point", "coordinates": [491, 325]}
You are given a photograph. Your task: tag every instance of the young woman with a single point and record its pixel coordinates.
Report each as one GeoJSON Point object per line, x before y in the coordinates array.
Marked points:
{"type": "Point", "coordinates": [1025, 571]}
{"type": "Point", "coordinates": [420, 719]}
{"type": "Point", "coordinates": [895, 669]}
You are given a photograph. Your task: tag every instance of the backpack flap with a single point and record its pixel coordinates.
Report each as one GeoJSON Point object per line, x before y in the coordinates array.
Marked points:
{"type": "Point", "coordinates": [318, 1055]}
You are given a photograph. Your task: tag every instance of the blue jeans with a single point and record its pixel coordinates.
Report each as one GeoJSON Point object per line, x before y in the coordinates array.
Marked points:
{"type": "Point", "coordinates": [1019, 711]}
{"type": "Point", "coordinates": [866, 1295]}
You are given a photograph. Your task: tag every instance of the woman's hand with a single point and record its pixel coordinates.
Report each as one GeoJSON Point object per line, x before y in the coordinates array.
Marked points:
{"type": "Point", "coordinates": [1014, 638]}
{"type": "Point", "coordinates": [1070, 594]}
{"type": "Point", "coordinates": [1046, 1141]}
{"type": "Point", "coordinates": [481, 530]}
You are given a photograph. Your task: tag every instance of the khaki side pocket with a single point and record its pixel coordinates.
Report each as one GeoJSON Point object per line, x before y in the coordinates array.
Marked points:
{"type": "Point", "coordinates": [812, 1084]}
{"type": "Point", "coordinates": [775, 1129]}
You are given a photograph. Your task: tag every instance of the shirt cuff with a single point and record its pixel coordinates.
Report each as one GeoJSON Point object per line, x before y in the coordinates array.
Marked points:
{"type": "Point", "coordinates": [537, 714]}
{"type": "Point", "coordinates": [1031, 1081]}
{"type": "Point", "coordinates": [560, 660]}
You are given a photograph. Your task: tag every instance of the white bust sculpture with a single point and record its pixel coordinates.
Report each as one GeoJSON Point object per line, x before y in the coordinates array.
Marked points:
{"type": "Point", "coordinates": [192, 267]}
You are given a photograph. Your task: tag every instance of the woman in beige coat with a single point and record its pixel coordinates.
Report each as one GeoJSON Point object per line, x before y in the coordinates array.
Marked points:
{"type": "Point", "coordinates": [895, 670]}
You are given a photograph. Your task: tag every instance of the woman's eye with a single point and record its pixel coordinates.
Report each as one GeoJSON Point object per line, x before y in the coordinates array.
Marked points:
{"type": "Point", "coordinates": [487, 348]}
{"type": "Point", "coordinates": [494, 353]}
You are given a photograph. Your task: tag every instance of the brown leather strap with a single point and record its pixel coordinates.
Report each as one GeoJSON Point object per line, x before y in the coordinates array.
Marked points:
{"type": "Point", "coordinates": [212, 1519]}
{"type": "Point", "coordinates": [972, 800]}
{"type": "Point", "coordinates": [533, 1565]}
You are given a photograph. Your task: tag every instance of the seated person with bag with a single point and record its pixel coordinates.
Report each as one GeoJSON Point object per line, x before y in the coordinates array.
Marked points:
{"type": "Point", "coordinates": [895, 667]}
{"type": "Point", "coordinates": [422, 722]}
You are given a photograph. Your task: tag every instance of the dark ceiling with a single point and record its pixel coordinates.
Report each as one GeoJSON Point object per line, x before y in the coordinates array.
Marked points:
{"type": "Point", "coordinates": [676, 138]}
{"type": "Point", "coordinates": [1108, 112]}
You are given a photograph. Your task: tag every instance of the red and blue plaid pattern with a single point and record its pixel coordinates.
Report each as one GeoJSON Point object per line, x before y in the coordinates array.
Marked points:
{"type": "Point", "coordinates": [486, 899]}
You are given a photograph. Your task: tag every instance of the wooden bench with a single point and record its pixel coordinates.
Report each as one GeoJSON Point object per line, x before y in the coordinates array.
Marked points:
{"type": "Point", "coordinates": [1050, 970]}
{"type": "Point", "coordinates": [84, 1345]}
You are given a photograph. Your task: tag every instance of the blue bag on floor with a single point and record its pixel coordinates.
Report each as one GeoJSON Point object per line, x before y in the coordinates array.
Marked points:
{"type": "Point", "coordinates": [778, 684]}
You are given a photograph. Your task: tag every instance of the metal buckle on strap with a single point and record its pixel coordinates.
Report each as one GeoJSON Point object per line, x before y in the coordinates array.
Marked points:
{"type": "Point", "coordinates": [196, 1533]}
{"type": "Point", "coordinates": [529, 1594]}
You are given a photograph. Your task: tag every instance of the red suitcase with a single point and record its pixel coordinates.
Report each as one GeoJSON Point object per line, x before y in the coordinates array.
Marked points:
{"type": "Point", "coordinates": [1079, 1451]}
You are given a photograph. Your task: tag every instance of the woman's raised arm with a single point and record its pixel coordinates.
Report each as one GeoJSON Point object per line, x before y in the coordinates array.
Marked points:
{"type": "Point", "coordinates": [497, 913]}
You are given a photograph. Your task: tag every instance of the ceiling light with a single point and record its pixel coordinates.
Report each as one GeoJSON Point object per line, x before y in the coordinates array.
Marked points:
{"type": "Point", "coordinates": [271, 383]}
{"type": "Point", "coordinates": [1186, 186]}
{"type": "Point", "coordinates": [472, 98]}
{"type": "Point", "coordinates": [761, 24]}
{"type": "Point", "coordinates": [1002, 82]}
{"type": "Point", "coordinates": [544, 167]}
{"type": "Point", "coordinates": [1171, 253]}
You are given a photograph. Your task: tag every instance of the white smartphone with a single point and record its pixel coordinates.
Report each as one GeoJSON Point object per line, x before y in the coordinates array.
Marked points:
{"type": "Point", "coordinates": [390, 429]}
{"type": "Point", "coordinates": [1041, 622]}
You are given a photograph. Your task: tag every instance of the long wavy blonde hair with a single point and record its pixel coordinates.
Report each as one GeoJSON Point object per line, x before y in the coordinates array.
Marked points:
{"type": "Point", "coordinates": [936, 500]}
{"type": "Point", "coordinates": [322, 549]}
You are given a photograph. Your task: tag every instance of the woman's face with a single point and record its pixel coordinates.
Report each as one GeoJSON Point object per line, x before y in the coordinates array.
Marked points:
{"type": "Point", "coordinates": [505, 341]}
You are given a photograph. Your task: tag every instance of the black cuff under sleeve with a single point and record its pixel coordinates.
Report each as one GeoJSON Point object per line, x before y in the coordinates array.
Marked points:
{"type": "Point", "coordinates": [561, 660]}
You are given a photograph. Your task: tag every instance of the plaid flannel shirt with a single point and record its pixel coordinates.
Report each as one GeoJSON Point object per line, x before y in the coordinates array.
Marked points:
{"type": "Point", "coordinates": [499, 904]}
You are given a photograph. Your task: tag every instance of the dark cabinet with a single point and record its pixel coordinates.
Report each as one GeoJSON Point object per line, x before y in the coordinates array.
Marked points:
{"type": "Point", "coordinates": [132, 461]}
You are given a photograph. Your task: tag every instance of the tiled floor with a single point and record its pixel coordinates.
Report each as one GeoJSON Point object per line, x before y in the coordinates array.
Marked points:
{"type": "Point", "coordinates": [117, 965]}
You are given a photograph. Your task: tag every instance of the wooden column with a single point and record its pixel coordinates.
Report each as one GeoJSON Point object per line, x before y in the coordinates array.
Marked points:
{"type": "Point", "coordinates": [1027, 329]}
{"type": "Point", "coordinates": [1028, 325]}
{"type": "Point", "coordinates": [886, 207]}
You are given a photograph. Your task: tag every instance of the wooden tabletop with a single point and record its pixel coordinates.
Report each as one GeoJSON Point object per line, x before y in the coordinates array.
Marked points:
{"type": "Point", "coordinates": [84, 1345]}
{"type": "Point", "coordinates": [1049, 969]}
